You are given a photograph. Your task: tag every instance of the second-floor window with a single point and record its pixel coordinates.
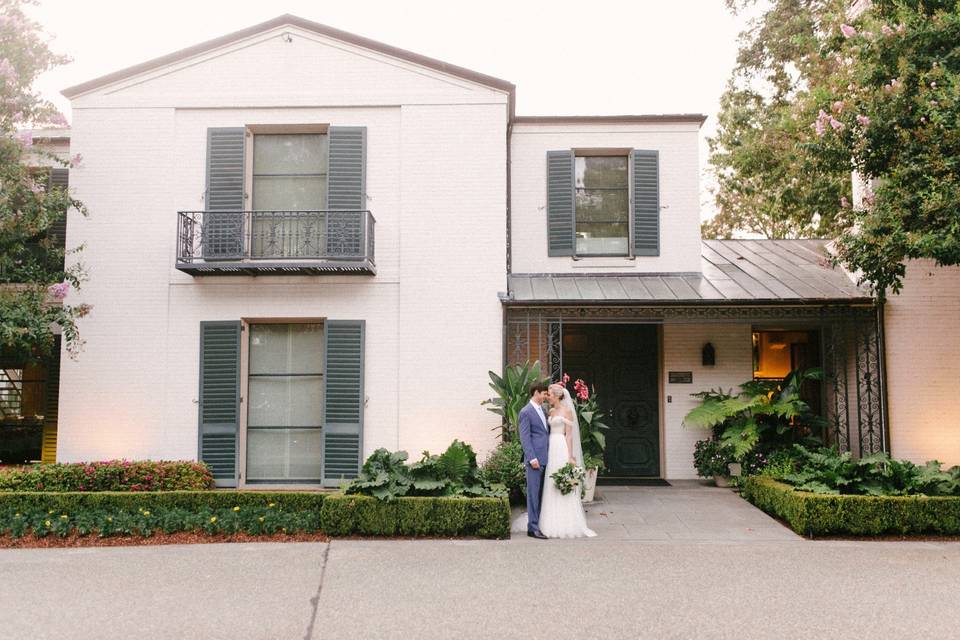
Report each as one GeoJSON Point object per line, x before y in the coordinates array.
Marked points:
{"type": "Point", "coordinates": [602, 205]}
{"type": "Point", "coordinates": [289, 185]}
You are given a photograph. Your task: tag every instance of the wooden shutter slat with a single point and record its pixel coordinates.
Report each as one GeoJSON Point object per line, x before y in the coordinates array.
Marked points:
{"type": "Point", "coordinates": [561, 236]}
{"type": "Point", "coordinates": [343, 400]}
{"type": "Point", "coordinates": [646, 202]}
{"type": "Point", "coordinates": [220, 399]}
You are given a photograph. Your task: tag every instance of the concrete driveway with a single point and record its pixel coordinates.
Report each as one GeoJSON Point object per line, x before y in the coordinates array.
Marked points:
{"type": "Point", "coordinates": [678, 582]}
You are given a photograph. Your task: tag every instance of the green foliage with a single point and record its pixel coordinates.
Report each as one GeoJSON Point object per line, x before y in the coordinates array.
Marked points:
{"type": "Point", "coordinates": [592, 439]}
{"type": "Point", "coordinates": [345, 515]}
{"type": "Point", "coordinates": [114, 475]}
{"type": "Point", "coordinates": [827, 472]}
{"type": "Point", "coordinates": [504, 466]}
{"type": "Point", "coordinates": [711, 458]}
{"type": "Point", "coordinates": [568, 477]}
{"type": "Point", "coordinates": [385, 475]}
{"type": "Point", "coordinates": [768, 180]}
{"type": "Point", "coordinates": [513, 393]}
{"type": "Point", "coordinates": [815, 514]}
{"type": "Point", "coordinates": [764, 413]}
{"type": "Point", "coordinates": [29, 255]}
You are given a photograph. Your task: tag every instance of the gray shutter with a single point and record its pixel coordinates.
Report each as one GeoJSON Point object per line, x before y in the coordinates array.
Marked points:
{"type": "Point", "coordinates": [346, 191]}
{"type": "Point", "coordinates": [343, 400]}
{"type": "Point", "coordinates": [561, 237]}
{"type": "Point", "coordinates": [223, 220]}
{"type": "Point", "coordinates": [59, 178]}
{"type": "Point", "coordinates": [646, 203]}
{"type": "Point", "coordinates": [220, 399]}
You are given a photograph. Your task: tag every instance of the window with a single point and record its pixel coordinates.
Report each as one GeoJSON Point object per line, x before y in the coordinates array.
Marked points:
{"type": "Point", "coordinates": [602, 205]}
{"type": "Point", "coordinates": [289, 185]}
{"type": "Point", "coordinates": [778, 352]}
{"type": "Point", "coordinates": [285, 409]}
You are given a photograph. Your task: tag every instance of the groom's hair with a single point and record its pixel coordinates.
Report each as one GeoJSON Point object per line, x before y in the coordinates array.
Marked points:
{"type": "Point", "coordinates": [538, 386]}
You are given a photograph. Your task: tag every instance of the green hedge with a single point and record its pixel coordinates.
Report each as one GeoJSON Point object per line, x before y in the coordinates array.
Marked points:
{"type": "Point", "coordinates": [109, 475]}
{"type": "Point", "coordinates": [821, 514]}
{"type": "Point", "coordinates": [345, 515]}
{"type": "Point", "coordinates": [334, 514]}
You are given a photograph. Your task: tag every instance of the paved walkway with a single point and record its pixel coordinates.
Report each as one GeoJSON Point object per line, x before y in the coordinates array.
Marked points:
{"type": "Point", "coordinates": [680, 582]}
{"type": "Point", "coordinates": [686, 510]}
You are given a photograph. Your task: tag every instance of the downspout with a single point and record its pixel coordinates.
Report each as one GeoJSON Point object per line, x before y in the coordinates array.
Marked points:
{"type": "Point", "coordinates": [882, 357]}
{"type": "Point", "coordinates": [511, 107]}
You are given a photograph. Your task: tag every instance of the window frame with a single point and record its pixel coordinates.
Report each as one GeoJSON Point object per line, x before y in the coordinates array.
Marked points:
{"type": "Point", "coordinates": [607, 152]}
{"type": "Point", "coordinates": [242, 444]}
{"type": "Point", "coordinates": [253, 130]}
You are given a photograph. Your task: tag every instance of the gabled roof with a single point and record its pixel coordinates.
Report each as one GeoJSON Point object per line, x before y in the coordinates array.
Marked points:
{"type": "Point", "coordinates": [307, 25]}
{"type": "Point", "coordinates": [732, 272]}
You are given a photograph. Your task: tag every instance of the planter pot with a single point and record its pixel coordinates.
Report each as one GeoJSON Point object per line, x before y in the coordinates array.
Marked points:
{"type": "Point", "coordinates": [722, 481]}
{"type": "Point", "coordinates": [589, 485]}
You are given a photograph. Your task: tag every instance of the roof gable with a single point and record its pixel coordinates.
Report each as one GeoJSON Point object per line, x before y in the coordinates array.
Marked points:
{"type": "Point", "coordinates": [306, 25]}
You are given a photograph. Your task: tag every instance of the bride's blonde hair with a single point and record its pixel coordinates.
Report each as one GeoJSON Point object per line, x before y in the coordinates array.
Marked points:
{"type": "Point", "coordinates": [557, 389]}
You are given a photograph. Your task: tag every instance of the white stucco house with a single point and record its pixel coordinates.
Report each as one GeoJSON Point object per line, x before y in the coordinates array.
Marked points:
{"type": "Point", "coordinates": [305, 245]}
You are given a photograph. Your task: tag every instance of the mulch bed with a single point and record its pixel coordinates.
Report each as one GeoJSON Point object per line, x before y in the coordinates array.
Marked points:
{"type": "Point", "coordinates": [183, 537]}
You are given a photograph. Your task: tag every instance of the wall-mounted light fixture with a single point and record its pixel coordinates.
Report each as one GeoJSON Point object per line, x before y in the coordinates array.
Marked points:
{"type": "Point", "coordinates": [709, 355]}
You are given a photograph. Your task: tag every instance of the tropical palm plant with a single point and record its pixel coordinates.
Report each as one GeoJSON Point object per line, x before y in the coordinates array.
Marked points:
{"type": "Point", "coordinates": [513, 392]}
{"type": "Point", "coordinates": [763, 410]}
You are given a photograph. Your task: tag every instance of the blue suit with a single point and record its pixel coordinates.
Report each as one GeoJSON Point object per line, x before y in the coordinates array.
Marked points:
{"type": "Point", "coordinates": [535, 439]}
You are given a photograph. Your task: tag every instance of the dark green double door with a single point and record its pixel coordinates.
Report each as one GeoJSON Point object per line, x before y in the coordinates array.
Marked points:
{"type": "Point", "coordinates": [621, 362]}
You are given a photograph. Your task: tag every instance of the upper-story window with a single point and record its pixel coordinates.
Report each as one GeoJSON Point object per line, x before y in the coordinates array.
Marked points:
{"type": "Point", "coordinates": [289, 171]}
{"type": "Point", "coordinates": [602, 205]}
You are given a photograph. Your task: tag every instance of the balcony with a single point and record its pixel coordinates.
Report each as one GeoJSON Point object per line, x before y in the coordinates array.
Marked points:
{"type": "Point", "coordinates": [275, 242]}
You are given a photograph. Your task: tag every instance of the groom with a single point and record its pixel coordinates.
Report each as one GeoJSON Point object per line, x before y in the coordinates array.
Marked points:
{"type": "Point", "coordinates": [535, 439]}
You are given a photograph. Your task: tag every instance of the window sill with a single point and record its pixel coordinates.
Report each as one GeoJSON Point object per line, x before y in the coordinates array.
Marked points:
{"type": "Point", "coordinates": [598, 262]}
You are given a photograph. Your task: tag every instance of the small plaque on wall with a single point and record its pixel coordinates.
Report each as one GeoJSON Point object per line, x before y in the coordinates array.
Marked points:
{"type": "Point", "coordinates": [681, 377]}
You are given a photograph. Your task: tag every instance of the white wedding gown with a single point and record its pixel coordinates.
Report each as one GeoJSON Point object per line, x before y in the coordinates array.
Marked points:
{"type": "Point", "coordinates": [561, 516]}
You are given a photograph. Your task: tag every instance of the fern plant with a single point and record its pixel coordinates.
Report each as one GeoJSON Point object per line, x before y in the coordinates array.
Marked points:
{"type": "Point", "coordinates": [763, 411]}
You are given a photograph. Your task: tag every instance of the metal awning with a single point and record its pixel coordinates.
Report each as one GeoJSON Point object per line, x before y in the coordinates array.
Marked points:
{"type": "Point", "coordinates": [731, 272]}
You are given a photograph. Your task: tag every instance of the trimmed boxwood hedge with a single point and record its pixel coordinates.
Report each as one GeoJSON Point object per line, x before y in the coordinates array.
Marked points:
{"type": "Point", "coordinates": [823, 514]}
{"type": "Point", "coordinates": [340, 515]}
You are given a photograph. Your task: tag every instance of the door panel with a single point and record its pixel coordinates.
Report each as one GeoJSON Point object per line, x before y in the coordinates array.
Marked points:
{"type": "Point", "coordinates": [621, 363]}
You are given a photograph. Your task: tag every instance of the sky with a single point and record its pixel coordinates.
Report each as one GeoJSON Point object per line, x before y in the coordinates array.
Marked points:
{"type": "Point", "coordinates": [566, 58]}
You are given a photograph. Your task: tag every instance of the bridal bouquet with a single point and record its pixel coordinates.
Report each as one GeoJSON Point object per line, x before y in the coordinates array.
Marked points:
{"type": "Point", "coordinates": [567, 477]}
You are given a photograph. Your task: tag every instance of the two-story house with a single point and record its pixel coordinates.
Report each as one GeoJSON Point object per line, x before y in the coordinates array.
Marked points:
{"type": "Point", "coordinates": [305, 245]}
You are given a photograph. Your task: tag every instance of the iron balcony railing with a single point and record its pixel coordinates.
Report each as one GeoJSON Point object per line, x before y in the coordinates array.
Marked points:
{"type": "Point", "coordinates": [251, 241]}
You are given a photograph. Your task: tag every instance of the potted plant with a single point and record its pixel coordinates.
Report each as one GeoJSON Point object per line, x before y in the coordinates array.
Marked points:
{"type": "Point", "coordinates": [592, 440]}
{"type": "Point", "coordinates": [712, 459]}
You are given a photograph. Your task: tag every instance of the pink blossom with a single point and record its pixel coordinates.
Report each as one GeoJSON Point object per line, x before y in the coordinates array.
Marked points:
{"type": "Point", "coordinates": [821, 122]}
{"type": "Point", "coordinates": [76, 160]}
{"type": "Point", "coordinates": [901, 28]}
{"type": "Point", "coordinates": [566, 379]}
{"type": "Point", "coordinates": [888, 88]}
{"type": "Point", "coordinates": [844, 203]}
{"type": "Point", "coordinates": [934, 103]}
{"type": "Point", "coordinates": [7, 72]}
{"type": "Point", "coordinates": [837, 106]}
{"type": "Point", "coordinates": [847, 30]}
{"type": "Point", "coordinates": [59, 120]}
{"type": "Point", "coordinates": [59, 291]}
{"type": "Point", "coordinates": [25, 138]}
{"type": "Point", "coordinates": [836, 124]}
{"type": "Point", "coordinates": [36, 187]}
{"type": "Point", "coordinates": [887, 31]}
{"type": "Point", "coordinates": [868, 34]}
{"type": "Point", "coordinates": [933, 85]}
{"type": "Point", "coordinates": [863, 121]}
{"type": "Point", "coordinates": [894, 83]}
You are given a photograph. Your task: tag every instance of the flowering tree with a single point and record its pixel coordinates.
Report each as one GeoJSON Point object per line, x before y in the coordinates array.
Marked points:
{"type": "Point", "coordinates": [33, 280]}
{"type": "Point", "coordinates": [890, 109]}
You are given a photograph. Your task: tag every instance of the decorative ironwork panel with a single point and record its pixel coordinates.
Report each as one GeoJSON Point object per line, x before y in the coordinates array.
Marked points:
{"type": "Point", "coordinates": [344, 234]}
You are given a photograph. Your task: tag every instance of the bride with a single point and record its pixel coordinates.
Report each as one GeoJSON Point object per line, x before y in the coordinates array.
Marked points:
{"type": "Point", "coordinates": [561, 516]}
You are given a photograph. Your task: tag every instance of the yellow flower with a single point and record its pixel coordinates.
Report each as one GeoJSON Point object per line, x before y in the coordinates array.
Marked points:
{"type": "Point", "coordinates": [109, 518]}
{"type": "Point", "coordinates": [270, 506]}
{"type": "Point", "coordinates": [284, 529]}
{"type": "Point", "coordinates": [46, 522]}
{"type": "Point", "coordinates": [146, 513]}
{"type": "Point", "coordinates": [50, 513]}
{"type": "Point", "coordinates": [63, 517]}
{"type": "Point", "coordinates": [236, 508]}
{"type": "Point", "coordinates": [213, 518]}
{"type": "Point", "coordinates": [17, 515]}
{"type": "Point", "coordinates": [260, 518]}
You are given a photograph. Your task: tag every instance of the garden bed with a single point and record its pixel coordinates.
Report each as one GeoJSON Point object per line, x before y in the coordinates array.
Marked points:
{"type": "Point", "coordinates": [813, 514]}
{"type": "Point", "coordinates": [176, 517]}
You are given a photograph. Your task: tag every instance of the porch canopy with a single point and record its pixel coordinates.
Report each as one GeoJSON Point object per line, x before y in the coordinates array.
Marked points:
{"type": "Point", "coordinates": [762, 282]}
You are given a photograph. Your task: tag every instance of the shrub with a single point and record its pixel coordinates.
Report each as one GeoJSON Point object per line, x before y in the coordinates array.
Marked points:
{"type": "Point", "coordinates": [711, 458]}
{"type": "Point", "coordinates": [504, 466]}
{"type": "Point", "coordinates": [453, 473]}
{"type": "Point", "coordinates": [818, 514]}
{"type": "Point", "coordinates": [345, 515]}
{"type": "Point", "coordinates": [829, 472]}
{"type": "Point", "coordinates": [114, 475]}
